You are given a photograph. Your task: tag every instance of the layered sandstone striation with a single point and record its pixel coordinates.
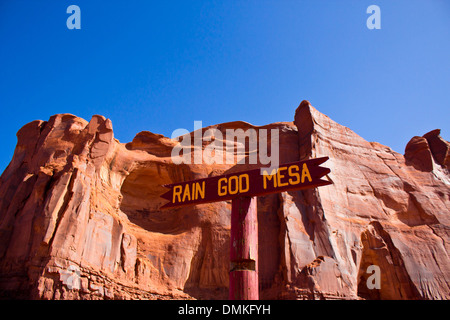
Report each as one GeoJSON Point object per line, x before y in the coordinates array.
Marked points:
{"type": "Point", "coordinates": [80, 217]}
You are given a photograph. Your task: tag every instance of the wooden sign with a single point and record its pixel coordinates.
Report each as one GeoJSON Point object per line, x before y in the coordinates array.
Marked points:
{"type": "Point", "coordinates": [242, 188]}
{"type": "Point", "coordinates": [293, 176]}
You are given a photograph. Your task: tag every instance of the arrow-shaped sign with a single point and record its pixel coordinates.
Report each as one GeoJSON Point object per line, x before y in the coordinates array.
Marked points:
{"type": "Point", "coordinates": [293, 176]}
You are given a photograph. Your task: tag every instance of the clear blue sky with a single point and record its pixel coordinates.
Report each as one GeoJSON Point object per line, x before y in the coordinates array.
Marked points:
{"type": "Point", "coordinates": [160, 65]}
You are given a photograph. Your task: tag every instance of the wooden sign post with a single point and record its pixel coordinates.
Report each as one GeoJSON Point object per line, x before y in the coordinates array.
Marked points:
{"type": "Point", "coordinates": [242, 188]}
{"type": "Point", "coordinates": [244, 250]}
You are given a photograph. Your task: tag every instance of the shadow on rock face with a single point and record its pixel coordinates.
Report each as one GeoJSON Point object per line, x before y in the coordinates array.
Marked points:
{"type": "Point", "coordinates": [141, 201]}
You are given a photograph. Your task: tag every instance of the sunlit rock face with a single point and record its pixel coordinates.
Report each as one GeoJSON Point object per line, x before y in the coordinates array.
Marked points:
{"type": "Point", "coordinates": [80, 217]}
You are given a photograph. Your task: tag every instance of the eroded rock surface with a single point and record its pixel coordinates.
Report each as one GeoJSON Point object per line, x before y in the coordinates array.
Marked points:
{"type": "Point", "coordinates": [80, 218]}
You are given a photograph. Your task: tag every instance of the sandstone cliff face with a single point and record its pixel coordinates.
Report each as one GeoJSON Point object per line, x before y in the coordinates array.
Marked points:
{"type": "Point", "coordinates": [80, 217]}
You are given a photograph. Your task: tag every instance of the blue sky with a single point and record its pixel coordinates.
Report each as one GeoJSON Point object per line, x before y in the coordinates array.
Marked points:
{"type": "Point", "coordinates": [161, 65]}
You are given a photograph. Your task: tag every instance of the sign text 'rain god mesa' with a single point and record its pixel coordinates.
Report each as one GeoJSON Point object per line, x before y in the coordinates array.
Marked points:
{"type": "Point", "coordinates": [293, 176]}
{"type": "Point", "coordinates": [243, 188]}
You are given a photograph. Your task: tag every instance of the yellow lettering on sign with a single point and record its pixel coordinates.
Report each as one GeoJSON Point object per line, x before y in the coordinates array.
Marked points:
{"type": "Point", "coordinates": [222, 189]}
{"type": "Point", "coordinates": [280, 176]}
{"type": "Point", "coordinates": [247, 183]}
{"type": "Point", "coordinates": [233, 185]}
{"type": "Point", "coordinates": [236, 185]}
{"type": "Point", "coordinates": [305, 173]}
{"type": "Point", "coordinates": [177, 193]}
{"type": "Point", "coordinates": [200, 190]}
{"type": "Point", "coordinates": [187, 193]}
{"type": "Point", "coordinates": [294, 174]}
{"type": "Point", "coordinates": [270, 176]}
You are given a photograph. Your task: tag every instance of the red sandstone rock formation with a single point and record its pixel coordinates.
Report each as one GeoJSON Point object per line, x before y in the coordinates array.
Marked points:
{"type": "Point", "coordinates": [80, 218]}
